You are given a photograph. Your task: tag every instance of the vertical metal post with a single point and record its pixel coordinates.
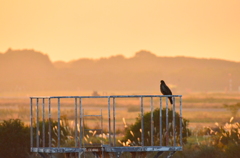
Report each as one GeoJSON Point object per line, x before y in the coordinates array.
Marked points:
{"type": "Point", "coordinates": [173, 122]}
{"type": "Point", "coordinates": [43, 119]}
{"type": "Point", "coordinates": [83, 132]}
{"type": "Point", "coordinates": [76, 116]}
{"type": "Point", "coordinates": [102, 126]}
{"type": "Point", "coordinates": [49, 123]}
{"type": "Point", "coordinates": [181, 121]}
{"type": "Point", "coordinates": [109, 121]}
{"type": "Point", "coordinates": [160, 117]}
{"type": "Point", "coordinates": [80, 123]}
{"type": "Point", "coordinates": [167, 131]}
{"type": "Point", "coordinates": [114, 124]}
{"type": "Point", "coordinates": [37, 130]}
{"type": "Point", "coordinates": [59, 127]}
{"type": "Point", "coordinates": [152, 122]}
{"type": "Point", "coordinates": [142, 121]}
{"type": "Point", "coordinates": [31, 123]}
{"type": "Point", "coordinates": [102, 134]}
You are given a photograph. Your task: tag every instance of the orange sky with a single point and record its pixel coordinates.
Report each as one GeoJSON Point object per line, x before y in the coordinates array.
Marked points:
{"type": "Point", "coordinates": [67, 30]}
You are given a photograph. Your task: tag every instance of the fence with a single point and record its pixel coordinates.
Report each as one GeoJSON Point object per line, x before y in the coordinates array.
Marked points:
{"type": "Point", "coordinates": [60, 124]}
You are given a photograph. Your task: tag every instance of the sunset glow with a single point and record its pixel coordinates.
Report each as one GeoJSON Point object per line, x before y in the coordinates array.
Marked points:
{"type": "Point", "coordinates": [68, 30]}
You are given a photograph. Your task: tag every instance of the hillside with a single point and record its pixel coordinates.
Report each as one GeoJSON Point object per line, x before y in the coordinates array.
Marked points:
{"type": "Point", "coordinates": [29, 70]}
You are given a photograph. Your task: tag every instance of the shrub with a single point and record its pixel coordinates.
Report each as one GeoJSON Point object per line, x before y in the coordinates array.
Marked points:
{"type": "Point", "coordinates": [227, 138]}
{"type": "Point", "coordinates": [14, 139]}
{"type": "Point", "coordinates": [66, 134]}
{"type": "Point", "coordinates": [220, 142]}
{"type": "Point", "coordinates": [133, 134]}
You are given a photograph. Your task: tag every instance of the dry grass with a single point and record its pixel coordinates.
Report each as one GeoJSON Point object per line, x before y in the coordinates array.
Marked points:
{"type": "Point", "coordinates": [200, 109]}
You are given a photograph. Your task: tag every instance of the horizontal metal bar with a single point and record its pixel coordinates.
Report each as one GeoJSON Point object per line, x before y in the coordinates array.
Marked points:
{"type": "Point", "coordinates": [111, 96]}
{"type": "Point", "coordinates": [141, 149]}
{"type": "Point", "coordinates": [58, 150]}
{"type": "Point", "coordinates": [108, 149]}
{"type": "Point", "coordinates": [135, 96]}
{"type": "Point", "coordinates": [35, 97]}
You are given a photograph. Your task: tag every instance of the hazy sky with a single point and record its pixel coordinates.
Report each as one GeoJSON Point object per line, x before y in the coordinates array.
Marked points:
{"type": "Point", "coordinates": [73, 29]}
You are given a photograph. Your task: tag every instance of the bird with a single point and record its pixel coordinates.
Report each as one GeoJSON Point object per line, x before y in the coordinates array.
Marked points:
{"type": "Point", "coordinates": [165, 90]}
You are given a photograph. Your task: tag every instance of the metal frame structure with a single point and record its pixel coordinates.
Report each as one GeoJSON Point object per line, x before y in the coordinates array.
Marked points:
{"type": "Point", "coordinates": [39, 145]}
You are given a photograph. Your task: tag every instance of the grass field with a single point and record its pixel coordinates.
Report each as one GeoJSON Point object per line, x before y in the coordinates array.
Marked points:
{"type": "Point", "coordinates": [201, 109]}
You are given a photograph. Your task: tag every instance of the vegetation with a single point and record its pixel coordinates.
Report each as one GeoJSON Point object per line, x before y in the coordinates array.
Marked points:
{"type": "Point", "coordinates": [220, 142]}
{"type": "Point", "coordinates": [66, 133]}
{"type": "Point", "coordinates": [14, 139]}
{"type": "Point", "coordinates": [133, 134]}
{"type": "Point", "coordinates": [197, 112]}
{"type": "Point", "coordinates": [233, 108]}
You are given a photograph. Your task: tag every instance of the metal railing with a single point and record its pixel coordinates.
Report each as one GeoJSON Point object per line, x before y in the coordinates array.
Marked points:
{"type": "Point", "coordinates": [42, 124]}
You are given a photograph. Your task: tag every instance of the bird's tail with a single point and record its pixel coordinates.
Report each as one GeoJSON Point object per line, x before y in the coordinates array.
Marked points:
{"type": "Point", "coordinates": [170, 99]}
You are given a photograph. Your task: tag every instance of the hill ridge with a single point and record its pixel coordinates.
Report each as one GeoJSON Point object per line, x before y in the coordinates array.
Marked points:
{"type": "Point", "coordinates": [30, 70]}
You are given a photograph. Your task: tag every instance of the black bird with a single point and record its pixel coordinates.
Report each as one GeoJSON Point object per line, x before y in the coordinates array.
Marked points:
{"type": "Point", "coordinates": [165, 90]}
